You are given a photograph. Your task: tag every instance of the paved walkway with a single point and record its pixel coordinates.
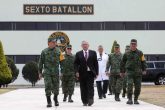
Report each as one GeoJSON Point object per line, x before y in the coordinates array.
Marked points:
{"type": "Point", "coordinates": [34, 99]}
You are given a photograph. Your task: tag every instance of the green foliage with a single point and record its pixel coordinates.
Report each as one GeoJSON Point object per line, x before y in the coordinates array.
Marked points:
{"type": "Point", "coordinates": [13, 68]}
{"type": "Point", "coordinates": [30, 72]}
{"type": "Point", "coordinates": [5, 72]}
{"type": "Point", "coordinates": [114, 43]}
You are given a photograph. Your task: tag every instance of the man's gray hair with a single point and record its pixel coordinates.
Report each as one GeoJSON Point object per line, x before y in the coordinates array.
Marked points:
{"type": "Point", "coordinates": [100, 46]}
{"type": "Point", "coordinates": [84, 42]}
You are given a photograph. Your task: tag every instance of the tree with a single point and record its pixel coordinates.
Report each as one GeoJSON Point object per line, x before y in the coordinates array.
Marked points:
{"type": "Point", "coordinates": [30, 72]}
{"type": "Point", "coordinates": [5, 72]}
{"type": "Point", "coordinates": [114, 43]}
{"type": "Point", "coordinates": [14, 69]}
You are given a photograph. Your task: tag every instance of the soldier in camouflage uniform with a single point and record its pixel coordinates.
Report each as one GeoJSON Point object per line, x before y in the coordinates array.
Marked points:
{"type": "Point", "coordinates": [134, 64]}
{"type": "Point", "coordinates": [68, 76]}
{"type": "Point", "coordinates": [49, 69]}
{"type": "Point", "coordinates": [116, 79]}
{"type": "Point", "coordinates": [127, 48]}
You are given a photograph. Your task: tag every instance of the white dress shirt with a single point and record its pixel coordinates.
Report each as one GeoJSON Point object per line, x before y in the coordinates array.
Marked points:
{"type": "Point", "coordinates": [102, 61]}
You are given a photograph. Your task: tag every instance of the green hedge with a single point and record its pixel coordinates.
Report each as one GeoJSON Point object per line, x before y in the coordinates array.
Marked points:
{"type": "Point", "coordinates": [5, 72]}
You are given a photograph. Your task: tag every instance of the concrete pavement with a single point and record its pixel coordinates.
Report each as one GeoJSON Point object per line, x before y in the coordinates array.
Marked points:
{"type": "Point", "coordinates": [34, 99]}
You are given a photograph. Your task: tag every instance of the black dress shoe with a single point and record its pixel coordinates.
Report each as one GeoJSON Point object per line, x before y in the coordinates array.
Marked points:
{"type": "Point", "coordinates": [100, 97]}
{"type": "Point", "coordinates": [85, 104]}
{"type": "Point", "coordinates": [90, 102]}
{"type": "Point", "coordinates": [70, 100]}
{"type": "Point", "coordinates": [104, 95]}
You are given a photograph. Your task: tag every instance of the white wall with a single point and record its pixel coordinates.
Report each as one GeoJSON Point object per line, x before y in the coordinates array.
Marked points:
{"type": "Point", "coordinates": [33, 42]}
{"type": "Point", "coordinates": [104, 10]}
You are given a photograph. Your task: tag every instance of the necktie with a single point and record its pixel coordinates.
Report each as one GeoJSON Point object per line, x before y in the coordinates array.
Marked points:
{"type": "Point", "coordinates": [100, 55]}
{"type": "Point", "coordinates": [86, 57]}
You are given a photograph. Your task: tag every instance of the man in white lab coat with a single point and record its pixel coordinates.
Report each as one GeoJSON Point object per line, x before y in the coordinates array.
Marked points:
{"type": "Point", "coordinates": [102, 77]}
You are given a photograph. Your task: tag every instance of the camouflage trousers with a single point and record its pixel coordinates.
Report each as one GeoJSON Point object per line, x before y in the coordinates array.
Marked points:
{"type": "Point", "coordinates": [110, 86]}
{"type": "Point", "coordinates": [133, 80]}
{"type": "Point", "coordinates": [51, 82]}
{"type": "Point", "coordinates": [117, 83]}
{"type": "Point", "coordinates": [68, 83]}
{"type": "Point", "coordinates": [125, 82]}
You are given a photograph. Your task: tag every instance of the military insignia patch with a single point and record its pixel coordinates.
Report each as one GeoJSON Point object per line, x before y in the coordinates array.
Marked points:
{"type": "Point", "coordinates": [142, 58]}
{"type": "Point", "coordinates": [62, 40]}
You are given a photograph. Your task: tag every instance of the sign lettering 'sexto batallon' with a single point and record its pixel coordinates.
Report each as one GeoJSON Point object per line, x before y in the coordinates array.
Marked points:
{"type": "Point", "coordinates": [58, 9]}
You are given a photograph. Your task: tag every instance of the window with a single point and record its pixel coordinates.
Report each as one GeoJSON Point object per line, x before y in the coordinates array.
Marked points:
{"type": "Point", "coordinates": [5, 26]}
{"type": "Point", "coordinates": [114, 26]}
{"type": "Point", "coordinates": [69, 26]}
{"type": "Point", "coordinates": [134, 26]}
{"type": "Point", "coordinates": [160, 64]}
{"type": "Point", "coordinates": [157, 25]}
{"type": "Point", "coordinates": [108, 25]}
{"type": "Point", "coordinates": [90, 26]}
{"type": "Point", "coordinates": [150, 65]}
{"type": "Point", "coordinates": [26, 26]}
{"type": "Point", "coordinates": [20, 59]}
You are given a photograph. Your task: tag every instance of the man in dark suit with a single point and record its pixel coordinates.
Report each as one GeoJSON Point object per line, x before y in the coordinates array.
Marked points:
{"type": "Point", "coordinates": [86, 68]}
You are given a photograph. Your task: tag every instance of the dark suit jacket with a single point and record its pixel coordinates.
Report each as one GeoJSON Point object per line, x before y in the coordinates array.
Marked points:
{"type": "Point", "coordinates": [80, 64]}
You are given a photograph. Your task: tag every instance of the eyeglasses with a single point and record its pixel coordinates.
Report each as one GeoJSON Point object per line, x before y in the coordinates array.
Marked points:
{"type": "Point", "coordinates": [69, 48]}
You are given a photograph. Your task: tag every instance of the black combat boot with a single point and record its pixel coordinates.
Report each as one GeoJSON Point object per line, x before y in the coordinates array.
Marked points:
{"type": "Point", "coordinates": [136, 100]}
{"type": "Point", "coordinates": [70, 99]}
{"type": "Point", "coordinates": [49, 102]}
{"type": "Point", "coordinates": [124, 92]}
{"type": "Point", "coordinates": [117, 97]}
{"type": "Point", "coordinates": [130, 102]}
{"type": "Point", "coordinates": [65, 97]}
{"type": "Point", "coordinates": [56, 100]}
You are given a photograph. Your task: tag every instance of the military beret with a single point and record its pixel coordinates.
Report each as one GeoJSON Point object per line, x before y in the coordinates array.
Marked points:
{"type": "Point", "coordinates": [133, 41]}
{"type": "Point", "coordinates": [117, 46]}
{"type": "Point", "coordinates": [69, 46]}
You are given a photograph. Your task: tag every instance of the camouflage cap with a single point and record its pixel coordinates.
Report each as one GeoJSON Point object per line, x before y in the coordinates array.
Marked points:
{"type": "Point", "coordinates": [69, 46]}
{"type": "Point", "coordinates": [133, 41]}
{"type": "Point", "coordinates": [117, 46]}
{"type": "Point", "coordinates": [51, 40]}
{"type": "Point", "coordinates": [127, 46]}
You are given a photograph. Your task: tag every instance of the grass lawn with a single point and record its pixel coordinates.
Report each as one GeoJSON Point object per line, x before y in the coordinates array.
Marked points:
{"type": "Point", "coordinates": [5, 90]}
{"type": "Point", "coordinates": [153, 94]}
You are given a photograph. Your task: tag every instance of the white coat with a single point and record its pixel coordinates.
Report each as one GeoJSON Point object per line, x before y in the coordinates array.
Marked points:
{"type": "Point", "coordinates": [102, 61]}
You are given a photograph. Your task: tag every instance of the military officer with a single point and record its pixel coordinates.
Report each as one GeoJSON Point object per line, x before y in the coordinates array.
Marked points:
{"type": "Point", "coordinates": [49, 69]}
{"type": "Point", "coordinates": [102, 59]}
{"type": "Point", "coordinates": [114, 61]}
{"type": "Point", "coordinates": [134, 64]}
{"type": "Point", "coordinates": [127, 48]}
{"type": "Point", "coordinates": [68, 76]}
